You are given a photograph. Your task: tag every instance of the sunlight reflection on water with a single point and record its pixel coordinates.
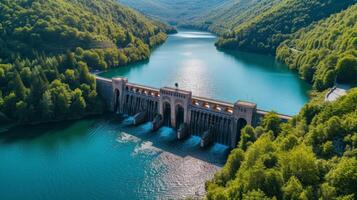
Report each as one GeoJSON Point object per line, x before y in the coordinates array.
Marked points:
{"type": "Point", "coordinates": [176, 169]}
{"type": "Point", "coordinates": [193, 34]}
{"type": "Point", "coordinates": [191, 59]}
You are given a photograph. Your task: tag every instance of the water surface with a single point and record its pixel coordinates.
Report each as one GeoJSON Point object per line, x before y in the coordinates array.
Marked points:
{"type": "Point", "coordinates": [191, 59]}
{"type": "Point", "coordinates": [102, 158]}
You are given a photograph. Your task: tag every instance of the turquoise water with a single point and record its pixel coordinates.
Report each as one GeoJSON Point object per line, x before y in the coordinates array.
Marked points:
{"type": "Point", "coordinates": [103, 158]}
{"type": "Point", "coordinates": [191, 59]}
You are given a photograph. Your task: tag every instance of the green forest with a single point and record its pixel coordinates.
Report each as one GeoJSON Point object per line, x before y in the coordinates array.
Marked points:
{"type": "Point", "coordinates": [311, 157]}
{"type": "Point", "coordinates": [326, 51]}
{"type": "Point", "coordinates": [268, 29]}
{"type": "Point", "coordinates": [48, 48]}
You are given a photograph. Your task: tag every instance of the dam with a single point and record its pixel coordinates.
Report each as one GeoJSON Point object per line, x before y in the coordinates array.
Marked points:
{"type": "Point", "coordinates": [213, 120]}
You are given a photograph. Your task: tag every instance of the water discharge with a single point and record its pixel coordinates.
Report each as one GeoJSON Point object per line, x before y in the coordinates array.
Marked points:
{"type": "Point", "coordinates": [103, 158]}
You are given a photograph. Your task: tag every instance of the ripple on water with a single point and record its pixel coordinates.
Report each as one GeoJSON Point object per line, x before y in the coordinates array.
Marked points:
{"type": "Point", "coordinates": [178, 177]}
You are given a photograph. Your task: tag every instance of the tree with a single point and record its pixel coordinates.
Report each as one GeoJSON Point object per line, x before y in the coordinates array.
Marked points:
{"type": "Point", "coordinates": [293, 189]}
{"type": "Point", "coordinates": [247, 137]}
{"type": "Point", "coordinates": [78, 105]}
{"type": "Point", "coordinates": [271, 122]}
{"type": "Point", "coordinates": [347, 69]}
{"type": "Point", "coordinates": [84, 75]}
{"type": "Point", "coordinates": [94, 102]}
{"type": "Point", "coordinates": [231, 167]}
{"type": "Point", "coordinates": [62, 98]}
{"type": "Point", "coordinates": [18, 86]}
{"type": "Point", "coordinates": [255, 195]}
{"type": "Point", "coordinates": [26, 75]}
{"type": "Point", "coordinates": [21, 111]}
{"type": "Point", "coordinates": [344, 176]}
{"type": "Point", "coordinates": [2, 76]}
{"type": "Point", "coordinates": [9, 104]}
{"type": "Point", "coordinates": [70, 78]}
{"type": "Point", "coordinates": [46, 106]}
{"type": "Point", "coordinates": [37, 87]}
{"type": "Point", "coordinates": [301, 163]}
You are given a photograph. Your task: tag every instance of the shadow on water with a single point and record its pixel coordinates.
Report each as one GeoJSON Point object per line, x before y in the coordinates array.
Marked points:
{"type": "Point", "coordinates": [165, 139]}
{"type": "Point", "coordinates": [69, 130]}
{"type": "Point", "coordinates": [30, 132]}
{"type": "Point", "coordinates": [266, 62]}
{"type": "Point", "coordinates": [124, 69]}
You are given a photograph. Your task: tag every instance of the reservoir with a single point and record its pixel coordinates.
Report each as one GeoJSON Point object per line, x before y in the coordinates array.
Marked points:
{"type": "Point", "coordinates": [191, 59]}
{"type": "Point", "coordinates": [106, 158]}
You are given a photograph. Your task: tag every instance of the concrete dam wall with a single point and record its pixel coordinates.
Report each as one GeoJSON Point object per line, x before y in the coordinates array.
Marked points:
{"type": "Point", "coordinates": [212, 120]}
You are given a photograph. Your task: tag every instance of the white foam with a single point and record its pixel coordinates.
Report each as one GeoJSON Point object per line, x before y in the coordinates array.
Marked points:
{"type": "Point", "coordinates": [146, 148]}
{"type": "Point", "coordinates": [125, 138]}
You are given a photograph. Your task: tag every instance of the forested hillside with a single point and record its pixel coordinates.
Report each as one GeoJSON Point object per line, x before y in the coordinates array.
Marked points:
{"type": "Point", "coordinates": [173, 11]}
{"type": "Point", "coordinates": [48, 47]}
{"type": "Point", "coordinates": [311, 157]}
{"type": "Point", "coordinates": [265, 32]}
{"type": "Point", "coordinates": [326, 51]}
{"type": "Point", "coordinates": [231, 14]}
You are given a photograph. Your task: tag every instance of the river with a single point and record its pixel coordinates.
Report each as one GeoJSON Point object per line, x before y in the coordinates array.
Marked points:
{"type": "Point", "coordinates": [105, 158]}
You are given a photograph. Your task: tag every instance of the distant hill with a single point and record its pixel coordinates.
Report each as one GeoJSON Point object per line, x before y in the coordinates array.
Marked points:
{"type": "Point", "coordinates": [173, 11]}
{"type": "Point", "coordinates": [230, 14]}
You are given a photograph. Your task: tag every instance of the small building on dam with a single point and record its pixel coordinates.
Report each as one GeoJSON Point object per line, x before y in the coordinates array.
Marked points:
{"type": "Point", "coordinates": [212, 120]}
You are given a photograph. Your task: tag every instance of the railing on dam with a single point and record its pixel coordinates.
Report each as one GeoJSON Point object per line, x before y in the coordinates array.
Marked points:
{"type": "Point", "coordinates": [213, 120]}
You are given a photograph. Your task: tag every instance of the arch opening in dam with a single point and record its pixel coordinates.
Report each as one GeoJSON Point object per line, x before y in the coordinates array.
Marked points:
{"type": "Point", "coordinates": [241, 123]}
{"type": "Point", "coordinates": [180, 113]}
{"type": "Point", "coordinates": [167, 114]}
{"type": "Point", "coordinates": [213, 120]}
{"type": "Point", "coordinates": [117, 100]}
